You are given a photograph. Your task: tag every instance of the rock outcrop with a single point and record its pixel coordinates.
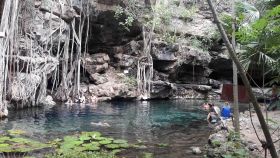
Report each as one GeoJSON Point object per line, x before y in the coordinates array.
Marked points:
{"type": "Point", "coordinates": [181, 70]}
{"type": "Point", "coordinates": [190, 67]}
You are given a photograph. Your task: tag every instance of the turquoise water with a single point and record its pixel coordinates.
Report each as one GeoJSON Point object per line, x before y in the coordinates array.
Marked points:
{"type": "Point", "coordinates": [180, 124]}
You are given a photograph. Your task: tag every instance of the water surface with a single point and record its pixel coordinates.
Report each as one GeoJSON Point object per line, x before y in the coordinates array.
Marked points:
{"type": "Point", "coordinates": [180, 124]}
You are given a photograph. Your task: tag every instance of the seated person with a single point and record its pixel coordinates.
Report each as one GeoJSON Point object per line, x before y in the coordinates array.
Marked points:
{"type": "Point", "coordinates": [213, 116]}
{"type": "Point", "coordinates": [226, 111]}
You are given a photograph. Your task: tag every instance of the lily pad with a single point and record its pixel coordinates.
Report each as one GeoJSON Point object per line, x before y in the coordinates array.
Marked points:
{"type": "Point", "coordinates": [112, 146]}
{"type": "Point", "coordinates": [125, 145]}
{"type": "Point", "coordinates": [70, 138]}
{"type": "Point", "coordinates": [84, 138]}
{"type": "Point", "coordinates": [100, 138]}
{"type": "Point", "coordinates": [93, 134]}
{"type": "Point", "coordinates": [116, 151]}
{"type": "Point", "coordinates": [6, 149]}
{"type": "Point", "coordinates": [16, 132]}
{"type": "Point", "coordinates": [105, 142]}
{"type": "Point", "coordinates": [95, 143]}
{"type": "Point", "coordinates": [90, 147]}
{"type": "Point", "coordinates": [162, 145]}
{"type": "Point", "coordinates": [20, 140]}
{"type": "Point", "coordinates": [4, 138]}
{"type": "Point", "coordinates": [4, 145]}
{"type": "Point", "coordinates": [119, 141]}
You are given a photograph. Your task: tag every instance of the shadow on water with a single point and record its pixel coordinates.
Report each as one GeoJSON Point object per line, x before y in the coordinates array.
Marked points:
{"type": "Point", "coordinates": [180, 124]}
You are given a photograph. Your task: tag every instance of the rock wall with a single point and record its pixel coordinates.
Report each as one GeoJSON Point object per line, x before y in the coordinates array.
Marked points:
{"type": "Point", "coordinates": [192, 67]}
{"type": "Point", "coordinates": [181, 69]}
{"type": "Point", "coordinates": [1, 8]}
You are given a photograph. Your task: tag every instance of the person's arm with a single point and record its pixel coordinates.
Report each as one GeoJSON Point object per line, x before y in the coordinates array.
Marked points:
{"type": "Point", "coordinates": [208, 118]}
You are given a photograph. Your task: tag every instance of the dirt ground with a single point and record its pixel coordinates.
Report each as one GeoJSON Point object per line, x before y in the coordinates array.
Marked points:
{"type": "Point", "coordinates": [248, 133]}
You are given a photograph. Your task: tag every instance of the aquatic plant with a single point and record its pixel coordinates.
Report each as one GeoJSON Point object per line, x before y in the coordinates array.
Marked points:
{"type": "Point", "coordinates": [72, 154]}
{"type": "Point", "coordinates": [119, 141]}
{"type": "Point", "coordinates": [19, 145]}
{"type": "Point", "coordinates": [112, 146]}
{"type": "Point", "coordinates": [88, 142]}
{"type": "Point", "coordinates": [16, 132]}
{"type": "Point", "coordinates": [147, 155]}
{"type": "Point", "coordinates": [105, 142]}
{"type": "Point", "coordinates": [162, 145]}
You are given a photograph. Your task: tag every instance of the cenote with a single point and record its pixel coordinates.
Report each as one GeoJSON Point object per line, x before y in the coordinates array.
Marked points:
{"type": "Point", "coordinates": [167, 129]}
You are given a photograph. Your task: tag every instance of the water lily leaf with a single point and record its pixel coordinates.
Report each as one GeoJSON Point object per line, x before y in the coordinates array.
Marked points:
{"type": "Point", "coordinates": [4, 145]}
{"type": "Point", "coordinates": [100, 138]}
{"type": "Point", "coordinates": [3, 139]}
{"type": "Point", "coordinates": [112, 146]}
{"type": "Point", "coordinates": [95, 143]}
{"type": "Point", "coordinates": [16, 132]}
{"type": "Point", "coordinates": [162, 145]}
{"type": "Point", "coordinates": [105, 142]}
{"type": "Point", "coordinates": [70, 138]}
{"type": "Point", "coordinates": [84, 138]}
{"type": "Point", "coordinates": [90, 147]}
{"type": "Point", "coordinates": [68, 145]}
{"type": "Point", "coordinates": [148, 155]}
{"type": "Point", "coordinates": [93, 134]}
{"type": "Point", "coordinates": [116, 151]}
{"type": "Point", "coordinates": [6, 149]}
{"type": "Point", "coordinates": [125, 145]}
{"type": "Point", "coordinates": [20, 140]}
{"type": "Point", "coordinates": [119, 141]}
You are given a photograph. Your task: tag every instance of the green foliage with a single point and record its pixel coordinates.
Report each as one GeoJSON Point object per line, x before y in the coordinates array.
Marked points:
{"type": "Point", "coordinates": [89, 142]}
{"type": "Point", "coordinates": [259, 37]}
{"type": "Point", "coordinates": [130, 81]}
{"type": "Point", "coordinates": [202, 44]}
{"type": "Point", "coordinates": [112, 146]}
{"type": "Point", "coordinates": [105, 142]}
{"type": "Point", "coordinates": [233, 136]}
{"type": "Point", "coordinates": [169, 37]}
{"type": "Point", "coordinates": [128, 21]}
{"type": "Point", "coordinates": [147, 155]}
{"type": "Point", "coordinates": [73, 154]}
{"type": "Point", "coordinates": [238, 153]}
{"type": "Point", "coordinates": [187, 13]}
{"type": "Point", "coordinates": [19, 145]}
{"type": "Point", "coordinates": [16, 132]}
{"type": "Point", "coordinates": [157, 18]}
{"type": "Point", "coordinates": [261, 41]}
{"type": "Point", "coordinates": [162, 145]}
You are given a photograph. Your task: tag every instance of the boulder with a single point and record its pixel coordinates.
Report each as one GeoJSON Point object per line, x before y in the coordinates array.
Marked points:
{"type": "Point", "coordinates": [98, 78]}
{"type": "Point", "coordinates": [23, 87]}
{"type": "Point", "coordinates": [196, 150]}
{"type": "Point", "coordinates": [124, 61]}
{"type": "Point", "coordinates": [4, 112]}
{"type": "Point", "coordinates": [61, 10]}
{"type": "Point", "coordinates": [187, 91]}
{"type": "Point", "coordinates": [161, 89]}
{"type": "Point", "coordinates": [96, 63]}
{"type": "Point", "coordinates": [217, 139]}
{"type": "Point", "coordinates": [47, 101]}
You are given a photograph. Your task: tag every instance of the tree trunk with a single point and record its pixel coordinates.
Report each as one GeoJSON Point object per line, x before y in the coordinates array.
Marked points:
{"type": "Point", "coordinates": [246, 82]}
{"type": "Point", "coordinates": [235, 79]}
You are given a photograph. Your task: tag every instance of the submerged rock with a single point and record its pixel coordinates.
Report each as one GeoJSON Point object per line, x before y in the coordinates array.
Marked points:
{"type": "Point", "coordinates": [101, 124]}
{"type": "Point", "coordinates": [196, 150]}
{"type": "Point", "coordinates": [4, 113]}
